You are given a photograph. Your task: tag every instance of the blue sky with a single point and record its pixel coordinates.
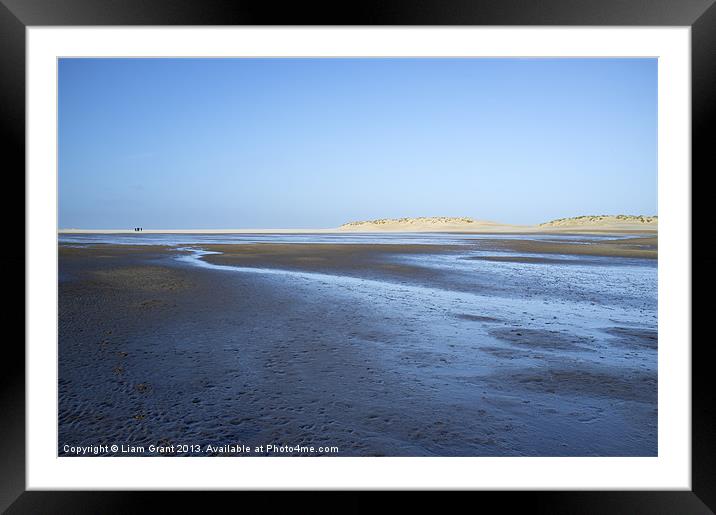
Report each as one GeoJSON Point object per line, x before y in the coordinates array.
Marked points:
{"type": "Point", "coordinates": [254, 143]}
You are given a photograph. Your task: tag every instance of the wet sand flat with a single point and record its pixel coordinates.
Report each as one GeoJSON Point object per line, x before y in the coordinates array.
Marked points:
{"type": "Point", "coordinates": [636, 247]}
{"type": "Point", "coordinates": [316, 256]}
{"type": "Point", "coordinates": [324, 257]}
{"type": "Point", "coordinates": [368, 348]}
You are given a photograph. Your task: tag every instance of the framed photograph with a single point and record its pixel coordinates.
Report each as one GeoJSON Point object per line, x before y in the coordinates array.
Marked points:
{"type": "Point", "coordinates": [414, 249]}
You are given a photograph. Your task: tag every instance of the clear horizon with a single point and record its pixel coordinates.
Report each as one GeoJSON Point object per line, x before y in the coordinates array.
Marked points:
{"type": "Point", "coordinates": [315, 143]}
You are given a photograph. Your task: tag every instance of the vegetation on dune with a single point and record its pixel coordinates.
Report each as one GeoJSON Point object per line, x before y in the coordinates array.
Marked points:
{"type": "Point", "coordinates": [594, 219]}
{"type": "Point", "coordinates": [464, 220]}
{"type": "Point", "coordinates": [421, 220]}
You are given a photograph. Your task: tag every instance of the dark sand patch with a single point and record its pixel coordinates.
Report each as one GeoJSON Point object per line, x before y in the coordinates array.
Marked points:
{"type": "Point", "coordinates": [150, 303]}
{"type": "Point", "coordinates": [507, 353]}
{"type": "Point", "coordinates": [634, 337]}
{"type": "Point", "coordinates": [111, 251]}
{"type": "Point", "coordinates": [524, 259]}
{"type": "Point", "coordinates": [374, 261]}
{"type": "Point", "coordinates": [541, 339]}
{"type": "Point", "coordinates": [320, 256]}
{"type": "Point", "coordinates": [627, 247]}
{"type": "Point", "coordinates": [629, 385]}
{"type": "Point", "coordinates": [145, 278]}
{"type": "Point", "coordinates": [477, 318]}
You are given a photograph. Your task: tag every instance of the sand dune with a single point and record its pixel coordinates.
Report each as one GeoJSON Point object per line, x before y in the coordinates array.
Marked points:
{"type": "Point", "coordinates": [588, 223]}
{"type": "Point", "coordinates": [603, 223]}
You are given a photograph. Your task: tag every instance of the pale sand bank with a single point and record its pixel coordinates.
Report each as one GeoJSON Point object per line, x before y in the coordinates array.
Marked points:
{"type": "Point", "coordinates": [582, 224]}
{"type": "Point", "coordinates": [598, 223]}
{"type": "Point", "coordinates": [198, 231]}
{"type": "Point", "coordinates": [431, 224]}
{"type": "Point", "coordinates": [491, 229]}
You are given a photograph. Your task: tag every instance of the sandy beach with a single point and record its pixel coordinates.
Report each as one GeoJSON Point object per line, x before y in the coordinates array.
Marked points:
{"type": "Point", "coordinates": [518, 346]}
{"type": "Point", "coordinates": [621, 224]}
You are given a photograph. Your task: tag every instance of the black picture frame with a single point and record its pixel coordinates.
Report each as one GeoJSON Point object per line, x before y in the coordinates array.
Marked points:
{"type": "Point", "coordinates": [16, 15]}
